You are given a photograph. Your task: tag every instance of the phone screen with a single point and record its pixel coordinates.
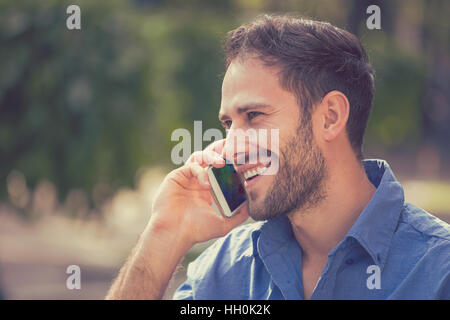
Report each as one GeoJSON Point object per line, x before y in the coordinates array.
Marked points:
{"type": "Point", "coordinates": [231, 186]}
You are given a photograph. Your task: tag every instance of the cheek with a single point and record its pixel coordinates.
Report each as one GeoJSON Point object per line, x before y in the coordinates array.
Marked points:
{"type": "Point", "coordinates": [288, 128]}
{"type": "Point", "coordinates": [277, 138]}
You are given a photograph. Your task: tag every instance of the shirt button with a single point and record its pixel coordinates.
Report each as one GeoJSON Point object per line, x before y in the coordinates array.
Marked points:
{"type": "Point", "coordinates": [349, 261]}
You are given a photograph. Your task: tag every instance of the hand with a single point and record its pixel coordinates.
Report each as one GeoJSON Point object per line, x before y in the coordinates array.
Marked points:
{"type": "Point", "coordinates": [181, 216]}
{"type": "Point", "coordinates": [183, 203]}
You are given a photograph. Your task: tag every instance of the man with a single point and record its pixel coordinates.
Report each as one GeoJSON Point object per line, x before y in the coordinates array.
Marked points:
{"type": "Point", "coordinates": [330, 226]}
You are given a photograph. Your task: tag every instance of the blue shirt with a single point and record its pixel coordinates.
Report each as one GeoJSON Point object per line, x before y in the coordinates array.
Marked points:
{"type": "Point", "coordinates": [394, 250]}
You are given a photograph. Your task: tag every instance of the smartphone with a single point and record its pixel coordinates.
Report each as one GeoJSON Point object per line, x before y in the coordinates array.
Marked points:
{"type": "Point", "coordinates": [227, 189]}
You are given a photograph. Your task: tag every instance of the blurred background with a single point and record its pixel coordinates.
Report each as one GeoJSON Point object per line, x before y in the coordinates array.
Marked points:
{"type": "Point", "coordinates": [86, 118]}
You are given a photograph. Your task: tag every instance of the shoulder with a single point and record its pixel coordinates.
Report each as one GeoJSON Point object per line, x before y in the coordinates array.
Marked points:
{"type": "Point", "coordinates": [424, 224]}
{"type": "Point", "coordinates": [425, 237]}
{"type": "Point", "coordinates": [221, 271]}
{"type": "Point", "coordinates": [230, 251]}
{"type": "Point", "coordinates": [419, 259]}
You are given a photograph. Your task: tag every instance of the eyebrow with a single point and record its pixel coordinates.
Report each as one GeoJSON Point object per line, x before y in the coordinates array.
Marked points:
{"type": "Point", "coordinates": [245, 108]}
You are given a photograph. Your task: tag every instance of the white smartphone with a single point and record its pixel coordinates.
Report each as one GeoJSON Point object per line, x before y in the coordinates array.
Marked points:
{"type": "Point", "coordinates": [227, 189]}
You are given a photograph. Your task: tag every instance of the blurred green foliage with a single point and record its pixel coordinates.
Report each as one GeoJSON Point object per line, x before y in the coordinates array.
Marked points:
{"type": "Point", "coordinates": [395, 118]}
{"type": "Point", "coordinates": [88, 106]}
{"type": "Point", "coordinates": [94, 105]}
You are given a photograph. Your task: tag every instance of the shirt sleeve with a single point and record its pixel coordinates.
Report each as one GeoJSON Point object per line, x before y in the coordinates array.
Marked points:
{"type": "Point", "coordinates": [218, 271]}
{"type": "Point", "coordinates": [197, 275]}
{"type": "Point", "coordinates": [445, 289]}
{"type": "Point", "coordinates": [184, 292]}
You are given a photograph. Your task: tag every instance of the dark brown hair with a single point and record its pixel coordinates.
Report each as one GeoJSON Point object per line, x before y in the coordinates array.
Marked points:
{"type": "Point", "coordinates": [314, 58]}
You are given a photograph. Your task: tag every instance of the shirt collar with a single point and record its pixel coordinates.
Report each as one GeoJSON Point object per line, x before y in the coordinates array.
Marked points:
{"type": "Point", "coordinates": [374, 227]}
{"type": "Point", "coordinates": [275, 232]}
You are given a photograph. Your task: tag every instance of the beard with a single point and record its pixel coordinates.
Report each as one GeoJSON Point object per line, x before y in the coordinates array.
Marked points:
{"type": "Point", "coordinates": [299, 183]}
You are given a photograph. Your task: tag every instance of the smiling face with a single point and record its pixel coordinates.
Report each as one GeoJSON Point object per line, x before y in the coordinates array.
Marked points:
{"type": "Point", "coordinates": [252, 98]}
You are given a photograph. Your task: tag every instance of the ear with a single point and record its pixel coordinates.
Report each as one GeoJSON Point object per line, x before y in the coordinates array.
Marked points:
{"type": "Point", "coordinates": [333, 114]}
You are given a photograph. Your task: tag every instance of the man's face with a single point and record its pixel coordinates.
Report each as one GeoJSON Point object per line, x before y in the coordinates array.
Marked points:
{"type": "Point", "coordinates": [253, 99]}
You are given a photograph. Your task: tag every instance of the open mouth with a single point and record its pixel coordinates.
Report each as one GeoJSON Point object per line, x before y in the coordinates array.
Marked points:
{"type": "Point", "coordinates": [256, 171]}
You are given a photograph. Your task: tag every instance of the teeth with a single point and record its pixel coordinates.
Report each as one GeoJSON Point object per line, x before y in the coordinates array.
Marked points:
{"type": "Point", "coordinates": [251, 173]}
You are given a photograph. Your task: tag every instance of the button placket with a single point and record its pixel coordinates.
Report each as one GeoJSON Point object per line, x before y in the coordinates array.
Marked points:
{"type": "Point", "coordinates": [334, 264]}
{"type": "Point", "coordinates": [320, 282]}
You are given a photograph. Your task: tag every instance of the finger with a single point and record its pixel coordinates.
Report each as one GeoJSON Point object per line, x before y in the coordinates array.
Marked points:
{"type": "Point", "coordinates": [216, 146]}
{"type": "Point", "coordinates": [227, 152]}
{"type": "Point", "coordinates": [206, 196]}
{"type": "Point", "coordinates": [214, 159]}
{"type": "Point", "coordinates": [206, 158]}
{"type": "Point", "coordinates": [199, 172]}
{"type": "Point", "coordinates": [190, 176]}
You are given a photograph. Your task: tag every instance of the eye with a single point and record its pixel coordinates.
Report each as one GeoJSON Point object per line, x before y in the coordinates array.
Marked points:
{"type": "Point", "coordinates": [226, 124]}
{"type": "Point", "coordinates": [253, 114]}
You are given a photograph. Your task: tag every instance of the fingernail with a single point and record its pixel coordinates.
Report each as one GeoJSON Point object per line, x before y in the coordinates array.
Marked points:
{"type": "Point", "coordinates": [205, 181]}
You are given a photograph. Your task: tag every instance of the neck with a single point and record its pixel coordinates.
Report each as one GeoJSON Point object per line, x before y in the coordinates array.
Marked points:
{"type": "Point", "coordinates": [348, 190]}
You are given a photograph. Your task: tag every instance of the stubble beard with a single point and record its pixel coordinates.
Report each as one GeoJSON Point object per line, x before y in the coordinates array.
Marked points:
{"type": "Point", "coordinates": [299, 183]}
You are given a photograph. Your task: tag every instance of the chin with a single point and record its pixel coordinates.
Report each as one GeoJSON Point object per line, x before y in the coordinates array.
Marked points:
{"type": "Point", "coordinates": [257, 205]}
{"type": "Point", "coordinates": [257, 198]}
{"type": "Point", "coordinates": [258, 213]}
